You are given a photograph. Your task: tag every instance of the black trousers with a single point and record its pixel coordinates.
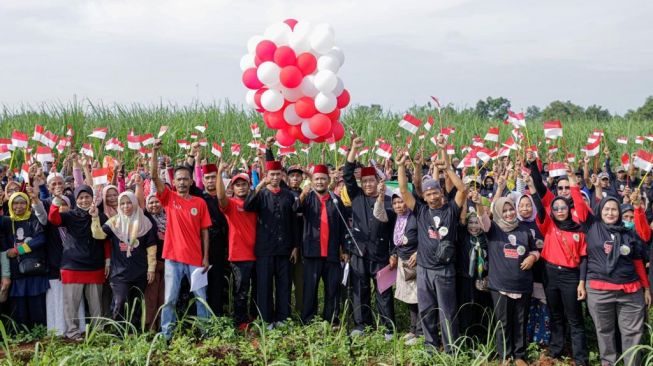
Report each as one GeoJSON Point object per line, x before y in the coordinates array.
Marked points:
{"type": "Point", "coordinates": [474, 309]}
{"type": "Point", "coordinates": [273, 274]}
{"type": "Point", "coordinates": [242, 274]}
{"type": "Point", "coordinates": [28, 310]}
{"type": "Point", "coordinates": [316, 269]}
{"type": "Point", "coordinates": [512, 318]}
{"type": "Point", "coordinates": [127, 292]}
{"type": "Point", "coordinates": [560, 287]}
{"type": "Point", "coordinates": [362, 272]}
{"type": "Point", "coordinates": [215, 292]}
{"type": "Point", "coordinates": [436, 300]}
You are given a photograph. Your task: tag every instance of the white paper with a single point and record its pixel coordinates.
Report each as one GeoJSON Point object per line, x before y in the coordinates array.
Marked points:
{"type": "Point", "coordinates": [345, 274]}
{"type": "Point", "coordinates": [198, 279]}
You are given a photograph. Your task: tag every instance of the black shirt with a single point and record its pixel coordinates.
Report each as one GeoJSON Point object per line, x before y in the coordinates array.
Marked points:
{"type": "Point", "coordinates": [436, 227]}
{"type": "Point", "coordinates": [134, 268]}
{"type": "Point", "coordinates": [506, 252]}
{"type": "Point", "coordinates": [275, 222]}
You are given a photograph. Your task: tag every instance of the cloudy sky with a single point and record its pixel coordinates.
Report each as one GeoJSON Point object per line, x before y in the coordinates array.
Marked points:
{"type": "Point", "coordinates": [397, 52]}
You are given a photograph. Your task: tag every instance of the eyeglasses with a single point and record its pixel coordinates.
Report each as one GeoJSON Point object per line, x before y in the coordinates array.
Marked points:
{"type": "Point", "coordinates": [560, 208]}
{"type": "Point", "coordinates": [562, 188]}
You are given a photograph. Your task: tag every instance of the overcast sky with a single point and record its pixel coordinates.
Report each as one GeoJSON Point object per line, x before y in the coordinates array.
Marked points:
{"type": "Point", "coordinates": [397, 52]}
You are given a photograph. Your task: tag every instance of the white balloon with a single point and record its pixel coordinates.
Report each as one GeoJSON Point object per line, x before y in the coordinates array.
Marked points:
{"type": "Point", "coordinates": [300, 40]}
{"type": "Point", "coordinates": [247, 61]}
{"type": "Point", "coordinates": [325, 102]}
{"type": "Point", "coordinates": [325, 81]}
{"type": "Point", "coordinates": [291, 116]}
{"type": "Point", "coordinates": [321, 41]}
{"type": "Point", "coordinates": [306, 130]}
{"type": "Point", "coordinates": [292, 94]}
{"type": "Point", "coordinates": [308, 86]}
{"type": "Point", "coordinates": [340, 86]}
{"type": "Point", "coordinates": [279, 33]}
{"type": "Point", "coordinates": [249, 98]}
{"type": "Point", "coordinates": [268, 73]}
{"type": "Point", "coordinates": [303, 27]}
{"type": "Point", "coordinates": [336, 52]}
{"type": "Point", "coordinates": [328, 62]}
{"type": "Point", "coordinates": [272, 100]}
{"type": "Point", "coordinates": [253, 42]}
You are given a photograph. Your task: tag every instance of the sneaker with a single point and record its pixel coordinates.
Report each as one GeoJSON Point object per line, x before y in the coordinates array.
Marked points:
{"type": "Point", "coordinates": [270, 326]}
{"type": "Point", "coordinates": [407, 336]}
{"type": "Point", "coordinates": [411, 341]}
{"type": "Point", "coordinates": [356, 333]}
{"type": "Point", "coordinates": [388, 337]}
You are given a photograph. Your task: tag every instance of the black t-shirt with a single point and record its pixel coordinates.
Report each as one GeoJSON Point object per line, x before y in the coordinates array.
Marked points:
{"type": "Point", "coordinates": [506, 252]}
{"type": "Point", "coordinates": [408, 244]}
{"type": "Point", "coordinates": [134, 268]}
{"type": "Point", "coordinates": [434, 226]}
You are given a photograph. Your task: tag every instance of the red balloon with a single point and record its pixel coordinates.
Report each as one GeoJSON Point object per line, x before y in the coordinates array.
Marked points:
{"type": "Point", "coordinates": [291, 23]}
{"type": "Point", "coordinates": [320, 138]}
{"type": "Point", "coordinates": [338, 130]}
{"type": "Point", "coordinates": [305, 107]}
{"type": "Point", "coordinates": [304, 139]}
{"type": "Point", "coordinates": [333, 116]}
{"type": "Point", "coordinates": [295, 131]}
{"type": "Point", "coordinates": [257, 97]}
{"type": "Point", "coordinates": [284, 138]}
{"type": "Point", "coordinates": [275, 120]}
{"type": "Point", "coordinates": [265, 50]}
{"type": "Point", "coordinates": [307, 63]}
{"type": "Point", "coordinates": [320, 124]}
{"type": "Point", "coordinates": [343, 99]}
{"type": "Point", "coordinates": [257, 61]}
{"type": "Point", "coordinates": [285, 56]}
{"type": "Point", "coordinates": [291, 76]}
{"type": "Point", "coordinates": [250, 79]}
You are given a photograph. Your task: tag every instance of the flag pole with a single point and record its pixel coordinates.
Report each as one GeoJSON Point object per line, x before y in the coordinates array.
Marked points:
{"type": "Point", "coordinates": [642, 181]}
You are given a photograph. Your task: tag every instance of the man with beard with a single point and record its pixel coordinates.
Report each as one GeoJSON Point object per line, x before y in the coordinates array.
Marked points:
{"type": "Point", "coordinates": [323, 237]}
{"type": "Point", "coordinates": [276, 244]}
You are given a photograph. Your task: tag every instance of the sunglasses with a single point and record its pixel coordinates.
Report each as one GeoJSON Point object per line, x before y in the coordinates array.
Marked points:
{"type": "Point", "coordinates": [560, 208]}
{"type": "Point", "coordinates": [562, 188]}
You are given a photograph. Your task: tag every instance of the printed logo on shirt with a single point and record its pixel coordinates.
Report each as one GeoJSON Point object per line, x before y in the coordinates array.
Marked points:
{"type": "Point", "coordinates": [193, 211]}
{"type": "Point", "coordinates": [510, 252]}
{"type": "Point", "coordinates": [624, 250]}
{"type": "Point", "coordinates": [607, 247]}
{"type": "Point", "coordinates": [433, 234]}
{"type": "Point", "coordinates": [443, 231]}
{"type": "Point", "coordinates": [436, 221]}
{"type": "Point", "coordinates": [512, 239]}
{"type": "Point", "coordinates": [521, 250]}
{"type": "Point", "coordinates": [576, 237]}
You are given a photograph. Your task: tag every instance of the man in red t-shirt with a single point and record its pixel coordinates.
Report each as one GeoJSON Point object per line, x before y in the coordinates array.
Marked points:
{"type": "Point", "coordinates": [186, 243]}
{"type": "Point", "coordinates": [242, 236]}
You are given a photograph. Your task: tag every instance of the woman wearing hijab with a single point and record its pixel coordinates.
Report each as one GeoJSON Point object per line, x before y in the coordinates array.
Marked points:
{"type": "Point", "coordinates": [82, 260]}
{"type": "Point", "coordinates": [108, 208]}
{"type": "Point", "coordinates": [11, 188]}
{"type": "Point", "coordinates": [133, 251]}
{"type": "Point", "coordinates": [512, 253]}
{"type": "Point", "coordinates": [25, 239]}
{"type": "Point", "coordinates": [565, 255]}
{"type": "Point", "coordinates": [617, 286]}
{"type": "Point", "coordinates": [154, 292]}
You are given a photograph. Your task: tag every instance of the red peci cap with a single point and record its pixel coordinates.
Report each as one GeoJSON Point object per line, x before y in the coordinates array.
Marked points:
{"type": "Point", "coordinates": [209, 168]}
{"type": "Point", "coordinates": [321, 169]}
{"type": "Point", "coordinates": [273, 165]}
{"type": "Point", "coordinates": [367, 171]}
{"type": "Point", "coordinates": [242, 176]}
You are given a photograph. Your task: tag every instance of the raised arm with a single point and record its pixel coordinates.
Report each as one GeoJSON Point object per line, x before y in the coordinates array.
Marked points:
{"type": "Point", "coordinates": [403, 183]}
{"type": "Point", "coordinates": [221, 192]}
{"type": "Point", "coordinates": [154, 168]}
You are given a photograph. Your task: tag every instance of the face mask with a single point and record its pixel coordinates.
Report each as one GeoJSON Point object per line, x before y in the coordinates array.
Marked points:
{"type": "Point", "coordinates": [629, 225]}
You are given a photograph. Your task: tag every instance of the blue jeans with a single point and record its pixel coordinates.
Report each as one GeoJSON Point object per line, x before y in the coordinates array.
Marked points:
{"type": "Point", "coordinates": [174, 273]}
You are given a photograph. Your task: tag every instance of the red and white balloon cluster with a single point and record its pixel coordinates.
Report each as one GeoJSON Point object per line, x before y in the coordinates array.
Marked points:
{"type": "Point", "coordinates": [291, 72]}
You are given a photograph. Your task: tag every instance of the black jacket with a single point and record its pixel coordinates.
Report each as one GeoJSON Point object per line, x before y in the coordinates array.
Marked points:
{"type": "Point", "coordinates": [312, 212]}
{"type": "Point", "coordinates": [275, 222]}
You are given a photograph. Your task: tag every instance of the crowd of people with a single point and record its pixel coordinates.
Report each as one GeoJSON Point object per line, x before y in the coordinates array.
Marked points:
{"type": "Point", "coordinates": [498, 250]}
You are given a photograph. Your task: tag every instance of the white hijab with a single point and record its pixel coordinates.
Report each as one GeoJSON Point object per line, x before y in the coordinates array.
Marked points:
{"type": "Point", "coordinates": [129, 228]}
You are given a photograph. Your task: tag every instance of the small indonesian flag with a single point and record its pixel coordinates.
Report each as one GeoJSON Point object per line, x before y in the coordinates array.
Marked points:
{"type": "Point", "coordinates": [557, 169]}
{"type": "Point", "coordinates": [503, 152]}
{"type": "Point", "coordinates": [468, 161]}
{"type": "Point", "coordinates": [8, 144]}
{"type": "Point", "coordinates": [533, 149]}
{"type": "Point", "coordinates": [216, 150]}
{"type": "Point", "coordinates": [38, 133]}
{"type": "Point", "coordinates": [552, 129]}
{"type": "Point", "coordinates": [343, 150]}
{"type": "Point", "coordinates": [593, 148]}
{"type": "Point", "coordinates": [204, 142]}
{"type": "Point", "coordinates": [639, 140]}
{"type": "Point", "coordinates": [363, 151]}
{"type": "Point", "coordinates": [485, 154]}
{"type": "Point", "coordinates": [24, 172]}
{"type": "Point", "coordinates": [553, 149]}
{"type": "Point", "coordinates": [511, 144]}
{"type": "Point", "coordinates": [145, 151]}
{"type": "Point", "coordinates": [429, 123]}
{"type": "Point", "coordinates": [19, 139]}
{"type": "Point", "coordinates": [410, 123]}
{"type": "Point", "coordinates": [451, 150]}
{"type": "Point", "coordinates": [525, 171]}
{"type": "Point", "coordinates": [44, 154]}
{"type": "Point", "coordinates": [477, 141]}
{"type": "Point", "coordinates": [194, 136]}
{"type": "Point", "coordinates": [598, 132]}
{"type": "Point", "coordinates": [100, 176]}
{"type": "Point", "coordinates": [409, 141]}
{"type": "Point", "coordinates": [421, 136]}
{"type": "Point", "coordinates": [63, 143]}
{"type": "Point", "coordinates": [492, 134]}
{"type": "Point", "coordinates": [649, 137]}
{"type": "Point", "coordinates": [49, 139]}
{"type": "Point", "coordinates": [332, 143]}
{"type": "Point", "coordinates": [643, 160]}
{"type": "Point", "coordinates": [517, 119]}
{"type": "Point", "coordinates": [256, 132]}
{"type": "Point", "coordinates": [446, 131]}
{"type": "Point", "coordinates": [235, 149]}
{"type": "Point", "coordinates": [201, 128]}
{"type": "Point", "coordinates": [306, 149]}
{"type": "Point", "coordinates": [625, 160]}
{"type": "Point", "coordinates": [87, 150]}
{"type": "Point", "coordinates": [286, 151]}
{"type": "Point", "coordinates": [147, 139]}
{"type": "Point", "coordinates": [571, 158]}
{"type": "Point", "coordinates": [252, 144]}
{"type": "Point", "coordinates": [384, 151]}
{"type": "Point", "coordinates": [133, 141]}
{"type": "Point", "coordinates": [593, 137]}
{"type": "Point", "coordinates": [622, 140]}
{"type": "Point", "coordinates": [162, 131]}
{"type": "Point", "coordinates": [183, 144]}
{"type": "Point", "coordinates": [113, 144]}
{"type": "Point", "coordinates": [5, 153]}
{"type": "Point", "coordinates": [99, 133]}
{"type": "Point", "coordinates": [69, 131]}
{"type": "Point", "coordinates": [517, 134]}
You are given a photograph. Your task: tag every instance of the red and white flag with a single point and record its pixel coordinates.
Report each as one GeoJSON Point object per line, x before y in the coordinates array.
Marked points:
{"type": "Point", "coordinates": [533, 149]}
{"type": "Point", "coordinates": [625, 160]}
{"type": "Point", "coordinates": [113, 144]}
{"type": "Point", "coordinates": [421, 136]}
{"type": "Point", "coordinates": [552, 129]}
{"type": "Point", "coordinates": [643, 160]}
{"type": "Point", "coordinates": [5, 153]}
{"type": "Point", "coordinates": [133, 141]}
{"type": "Point", "coordinates": [363, 151]}
{"type": "Point", "coordinates": [409, 141]}
{"type": "Point", "coordinates": [145, 152]}
{"type": "Point", "coordinates": [478, 141]}
{"type": "Point", "coordinates": [593, 149]}
{"type": "Point", "coordinates": [49, 139]}
{"type": "Point", "coordinates": [87, 150]}
{"type": "Point", "coordinates": [468, 161]}
{"type": "Point", "coordinates": [147, 139]}
{"type": "Point", "coordinates": [598, 132]}
{"type": "Point", "coordinates": [485, 154]}
{"type": "Point", "coordinates": [429, 123]}
{"type": "Point", "coordinates": [649, 137]}
{"type": "Point", "coordinates": [384, 151]}
{"type": "Point", "coordinates": [465, 148]}
{"type": "Point", "coordinates": [19, 139]}
{"type": "Point", "coordinates": [557, 170]}
{"type": "Point", "coordinates": [204, 142]}
{"type": "Point", "coordinates": [492, 134]}
{"type": "Point", "coordinates": [447, 131]}
{"type": "Point", "coordinates": [162, 131]}
{"type": "Point", "coordinates": [99, 133]}
{"type": "Point", "coordinates": [69, 131]}
{"type": "Point", "coordinates": [287, 151]}
{"type": "Point", "coordinates": [8, 144]}
{"type": "Point", "coordinates": [100, 176]}
{"type": "Point", "coordinates": [517, 134]}
{"type": "Point", "coordinates": [511, 144]}
{"type": "Point", "coordinates": [622, 140]}
{"type": "Point", "coordinates": [331, 141]}
{"type": "Point", "coordinates": [183, 144]}
{"type": "Point", "coordinates": [517, 119]}
{"type": "Point", "coordinates": [216, 150]}
{"type": "Point", "coordinates": [24, 172]}
{"type": "Point", "coordinates": [201, 128]}
{"type": "Point", "coordinates": [306, 149]}
{"type": "Point", "coordinates": [639, 140]}
{"type": "Point", "coordinates": [451, 150]}
{"type": "Point", "coordinates": [252, 144]}
{"type": "Point", "coordinates": [553, 149]}
{"type": "Point", "coordinates": [38, 133]}
{"type": "Point", "coordinates": [571, 158]}
{"type": "Point", "coordinates": [410, 123]}
{"type": "Point", "coordinates": [44, 154]}
{"type": "Point", "coordinates": [193, 136]}
{"type": "Point", "coordinates": [235, 149]}
{"type": "Point", "coordinates": [256, 131]}
{"type": "Point", "coordinates": [593, 137]}
{"type": "Point", "coordinates": [343, 150]}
